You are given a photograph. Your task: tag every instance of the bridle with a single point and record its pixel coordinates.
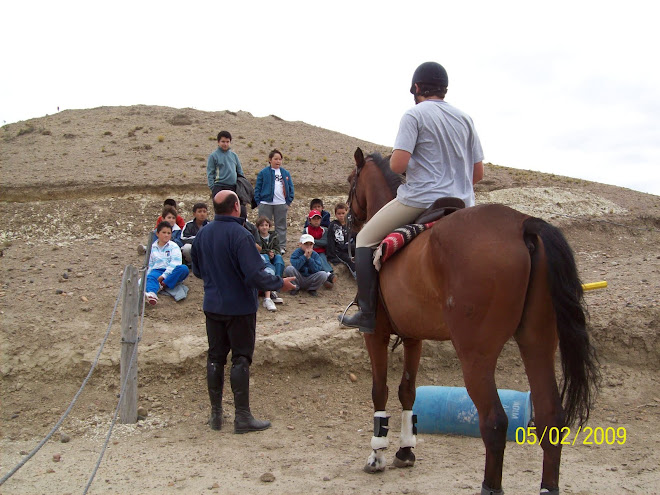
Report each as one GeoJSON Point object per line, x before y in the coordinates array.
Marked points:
{"type": "Point", "coordinates": [355, 217]}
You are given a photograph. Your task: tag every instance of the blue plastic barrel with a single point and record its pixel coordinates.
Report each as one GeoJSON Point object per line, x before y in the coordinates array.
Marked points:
{"type": "Point", "coordinates": [450, 410]}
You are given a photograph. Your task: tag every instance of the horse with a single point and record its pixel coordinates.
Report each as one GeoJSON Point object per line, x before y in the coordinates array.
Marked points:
{"type": "Point", "coordinates": [478, 277]}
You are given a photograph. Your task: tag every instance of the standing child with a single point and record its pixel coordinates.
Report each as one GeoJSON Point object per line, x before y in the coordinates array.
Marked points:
{"type": "Point", "coordinates": [320, 235]}
{"type": "Point", "coordinates": [338, 239]}
{"type": "Point", "coordinates": [269, 248]}
{"type": "Point", "coordinates": [165, 268]}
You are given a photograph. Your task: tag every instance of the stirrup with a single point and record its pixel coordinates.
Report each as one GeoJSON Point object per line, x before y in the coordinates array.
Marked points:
{"type": "Point", "coordinates": [353, 303]}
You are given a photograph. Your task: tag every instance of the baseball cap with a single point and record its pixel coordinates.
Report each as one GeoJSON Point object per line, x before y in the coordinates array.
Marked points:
{"type": "Point", "coordinates": [314, 213]}
{"type": "Point", "coordinates": [306, 238]}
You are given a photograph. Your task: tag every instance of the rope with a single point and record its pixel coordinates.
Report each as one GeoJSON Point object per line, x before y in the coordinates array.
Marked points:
{"type": "Point", "coordinates": [121, 395]}
{"type": "Point", "coordinates": [75, 398]}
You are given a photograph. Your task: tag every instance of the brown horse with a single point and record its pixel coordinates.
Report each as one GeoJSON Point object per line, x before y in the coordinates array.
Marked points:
{"type": "Point", "coordinates": [479, 277]}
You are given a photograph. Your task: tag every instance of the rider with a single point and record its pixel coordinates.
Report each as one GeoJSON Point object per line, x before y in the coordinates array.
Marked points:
{"type": "Point", "coordinates": [438, 148]}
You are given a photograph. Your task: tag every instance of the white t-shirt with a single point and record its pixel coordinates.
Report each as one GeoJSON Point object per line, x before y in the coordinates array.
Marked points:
{"type": "Point", "coordinates": [278, 195]}
{"type": "Point", "coordinates": [444, 147]}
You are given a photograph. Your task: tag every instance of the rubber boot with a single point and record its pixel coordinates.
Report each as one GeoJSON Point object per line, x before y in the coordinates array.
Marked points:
{"type": "Point", "coordinates": [215, 378]}
{"type": "Point", "coordinates": [367, 282]}
{"type": "Point", "coordinates": [244, 422]}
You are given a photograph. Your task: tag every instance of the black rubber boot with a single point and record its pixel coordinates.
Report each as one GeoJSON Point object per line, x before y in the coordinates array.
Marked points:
{"type": "Point", "coordinates": [215, 379]}
{"type": "Point", "coordinates": [367, 281]}
{"type": "Point", "coordinates": [244, 422]}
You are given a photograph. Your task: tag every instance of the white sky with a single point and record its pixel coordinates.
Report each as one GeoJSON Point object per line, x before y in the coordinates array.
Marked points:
{"type": "Point", "coordinates": [567, 87]}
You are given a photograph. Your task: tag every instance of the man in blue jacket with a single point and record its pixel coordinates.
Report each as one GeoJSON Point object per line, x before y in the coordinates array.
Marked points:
{"type": "Point", "coordinates": [225, 257]}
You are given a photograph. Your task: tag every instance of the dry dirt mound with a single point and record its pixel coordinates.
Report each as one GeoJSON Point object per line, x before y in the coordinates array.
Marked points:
{"type": "Point", "coordinates": [68, 236]}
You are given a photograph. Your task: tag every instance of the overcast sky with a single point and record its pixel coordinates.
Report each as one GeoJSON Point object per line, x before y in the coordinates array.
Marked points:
{"type": "Point", "coordinates": [567, 87]}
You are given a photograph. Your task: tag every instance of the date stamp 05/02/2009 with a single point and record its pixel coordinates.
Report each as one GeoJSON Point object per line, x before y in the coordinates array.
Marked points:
{"type": "Point", "coordinates": [563, 436]}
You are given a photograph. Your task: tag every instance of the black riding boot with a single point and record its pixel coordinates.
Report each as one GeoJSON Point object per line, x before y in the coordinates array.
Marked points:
{"type": "Point", "coordinates": [244, 422]}
{"type": "Point", "coordinates": [215, 378]}
{"type": "Point", "coordinates": [367, 282]}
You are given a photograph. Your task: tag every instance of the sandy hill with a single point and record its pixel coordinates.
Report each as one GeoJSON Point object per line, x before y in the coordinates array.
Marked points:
{"type": "Point", "coordinates": [79, 191]}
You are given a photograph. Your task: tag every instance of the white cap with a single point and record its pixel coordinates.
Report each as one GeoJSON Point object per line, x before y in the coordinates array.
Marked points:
{"type": "Point", "coordinates": [306, 238]}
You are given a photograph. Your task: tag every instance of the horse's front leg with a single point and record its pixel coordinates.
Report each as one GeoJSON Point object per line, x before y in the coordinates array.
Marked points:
{"type": "Point", "coordinates": [412, 352]}
{"type": "Point", "coordinates": [377, 344]}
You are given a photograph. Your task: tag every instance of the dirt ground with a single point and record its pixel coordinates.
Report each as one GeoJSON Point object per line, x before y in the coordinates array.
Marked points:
{"type": "Point", "coordinates": [67, 237]}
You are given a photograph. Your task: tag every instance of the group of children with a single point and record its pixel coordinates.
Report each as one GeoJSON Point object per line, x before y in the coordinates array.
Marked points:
{"type": "Point", "coordinates": [322, 244]}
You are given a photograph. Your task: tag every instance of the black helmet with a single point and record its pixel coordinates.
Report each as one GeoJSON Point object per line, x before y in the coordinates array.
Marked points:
{"type": "Point", "coordinates": [431, 73]}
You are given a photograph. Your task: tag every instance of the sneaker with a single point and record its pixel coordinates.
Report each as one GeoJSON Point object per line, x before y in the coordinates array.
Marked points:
{"type": "Point", "coordinates": [312, 293]}
{"type": "Point", "coordinates": [276, 298]}
{"type": "Point", "coordinates": [142, 249]}
{"type": "Point", "coordinates": [328, 284]}
{"type": "Point", "coordinates": [283, 250]}
{"type": "Point", "coordinates": [152, 298]}
{"type": "Point", "coordinates": [269, 304]}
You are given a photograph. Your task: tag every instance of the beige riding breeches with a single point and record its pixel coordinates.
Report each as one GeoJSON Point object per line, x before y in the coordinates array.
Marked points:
{"type": "Point", "coordinates": [391, 216]}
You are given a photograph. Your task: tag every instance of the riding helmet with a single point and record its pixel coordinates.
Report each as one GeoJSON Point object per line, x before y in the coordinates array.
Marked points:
{"type": "Point", "coordinates": [431, 73]}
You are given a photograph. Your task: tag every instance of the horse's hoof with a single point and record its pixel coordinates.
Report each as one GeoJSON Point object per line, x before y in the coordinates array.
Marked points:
{"type": "Point", "coordinates": [375, 463]}
{"type": "Point", "coordinates": [372, 468]}
{"type": "Point", "coordinates": [404, 458]}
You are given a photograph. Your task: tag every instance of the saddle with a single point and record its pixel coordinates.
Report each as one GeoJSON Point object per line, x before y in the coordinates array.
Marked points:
{"type": "Point", "coordinates": [401, 237]}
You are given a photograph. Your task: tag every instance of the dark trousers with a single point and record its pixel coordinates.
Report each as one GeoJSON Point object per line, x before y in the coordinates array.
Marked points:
{"type": "Point", "coordinates": [230, 333]}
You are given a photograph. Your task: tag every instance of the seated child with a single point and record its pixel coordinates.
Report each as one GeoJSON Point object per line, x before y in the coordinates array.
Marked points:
{"type": "Point", "coordinates": [320, 235]}
{"type": "Point", "coordinates": [165, 268]}
{"type": "Point", "coordinates": [179, 219]}
{"type": "Point", "coordinates": [337, 249]}
{"type": "Point", "coordinates": [306, 267]}
{"type": "Point", "coordinates": [200, 212]}
{"type": "Point", "coordinates": [168, 215]}
{"type": "Point", "coordinates": [317, 204]}
{"type": "Point", "coordinates": [269, 247]}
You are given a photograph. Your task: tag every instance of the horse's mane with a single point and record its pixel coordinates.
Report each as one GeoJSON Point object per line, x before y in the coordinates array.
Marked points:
{"type": "Point", "coordinates": [393, 180]}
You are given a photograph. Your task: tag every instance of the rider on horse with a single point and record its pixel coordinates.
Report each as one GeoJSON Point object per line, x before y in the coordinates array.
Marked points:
{"type": "Point", "coordinates": [438, 148]}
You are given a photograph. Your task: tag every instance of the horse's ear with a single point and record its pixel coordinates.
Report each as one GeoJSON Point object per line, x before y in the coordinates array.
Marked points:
{"type": "Point", "coordinates": [359, 158]}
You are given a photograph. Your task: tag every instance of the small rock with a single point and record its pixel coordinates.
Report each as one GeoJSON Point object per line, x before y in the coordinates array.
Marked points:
{"type": "Point", "coordinates": [267, 477]}
{"type": "Point", "coordinates": [59, 291]}
{"type": "Point", "coordinates": [290, 428]}
{"type": "Point", "coordinates": [143, 411]}
{"type": "Point", "coordinates": [49, 471]}
{"type": "Point", "coordinates": [326, 478]}
{"type": "Point", "coordinates": [352, 377]}
{"type": "Point", "coordinates": [65, 275]}
{"type": "Point", "coordinates": [317, 375]}
{"type": "Point", "coordinates": [215, 485]}
{"type": "Point", "coordinates": [64, 438]}
{"type": "Point", "coordinates": [23, 452]}
{"type": "Point", "coordinates": [57, 457]}
{"type": "Point", "coordinates": [84, 299]}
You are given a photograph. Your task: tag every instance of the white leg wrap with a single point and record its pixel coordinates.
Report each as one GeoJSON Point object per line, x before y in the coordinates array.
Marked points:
{"type": "Point", "coordinates": [407, 439]}
{"type": "Point", "coordinates": [379, 440]}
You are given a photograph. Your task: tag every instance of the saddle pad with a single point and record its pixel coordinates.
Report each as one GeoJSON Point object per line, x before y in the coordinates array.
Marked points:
{"type": "Point", "coordinates": [397, 240]}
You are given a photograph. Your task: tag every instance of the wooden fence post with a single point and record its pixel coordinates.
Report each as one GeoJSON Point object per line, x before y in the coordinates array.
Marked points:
{"type": "Point", "coordinates": [129, 324]}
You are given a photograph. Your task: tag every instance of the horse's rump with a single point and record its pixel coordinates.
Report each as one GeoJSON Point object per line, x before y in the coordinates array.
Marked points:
{"type": "Point", "coordinates": [470, 266]}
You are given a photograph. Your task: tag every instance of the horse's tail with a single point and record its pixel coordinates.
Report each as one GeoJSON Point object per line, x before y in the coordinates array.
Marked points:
{"type": "Point", "coordinates": [578, 356]}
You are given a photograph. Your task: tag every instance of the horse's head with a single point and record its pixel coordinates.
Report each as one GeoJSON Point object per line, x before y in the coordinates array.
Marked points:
{"type": "Point", "coordinates": [372, 185]}
{"type": "Point", "coordinates": [357, 214]}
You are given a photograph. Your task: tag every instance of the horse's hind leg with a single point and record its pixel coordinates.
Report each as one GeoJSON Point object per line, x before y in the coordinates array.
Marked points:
{"type": "Point", "coordinates": [537, 340]}
{"type": "Point", "coordinates": [412, 352]}
{"type": "Point", "coordinates": [479, 376]}
{"type": "Point", "coordinates": [377, 346]}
